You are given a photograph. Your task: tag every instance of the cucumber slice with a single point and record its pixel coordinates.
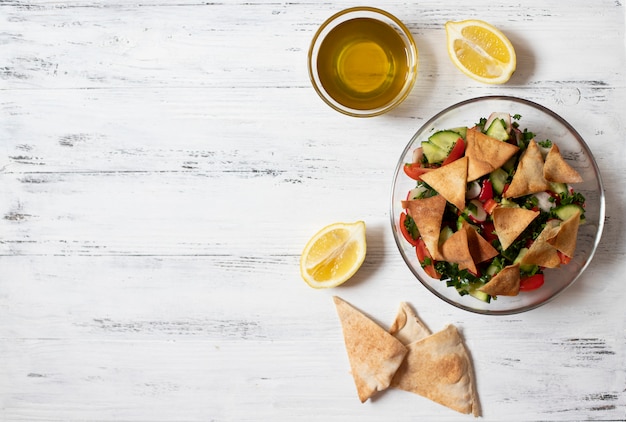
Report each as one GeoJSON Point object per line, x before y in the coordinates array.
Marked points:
{"type": "Point", "coordinates": [473, 291]}
{"type": "Point", "coordinates": [497, 130]}
{"type": "Point", "coordinates": [498, 179]}
{"type": "Point", "coordinates": [526, 268]}
{"type": "Point", "coordinates": [492, 269]}
{"type": "Point", "coordinates": [480, 295]}
{"type": "Point", "coordinates": [433, 153]}
{"type": "Point", "coordinates": [461, 131]}
{"type": "Point", "coordinates": [510, 163]}
{"type": "Point", "coordinates": [558, 188]}
{"type": "Point", "coordinates": [444, 139]}
{"type": "Point", "coordinates": [564, 212]}
{"type": "Point", "coordinates": [445, 234]}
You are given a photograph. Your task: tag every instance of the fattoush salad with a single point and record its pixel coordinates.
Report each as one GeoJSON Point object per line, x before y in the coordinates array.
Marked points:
{"type": "Point", "coordinates": [492, 207]}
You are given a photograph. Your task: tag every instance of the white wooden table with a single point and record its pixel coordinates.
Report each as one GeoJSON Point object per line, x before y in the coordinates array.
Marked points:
{"type": "Point", "coordinates": [164, 163]}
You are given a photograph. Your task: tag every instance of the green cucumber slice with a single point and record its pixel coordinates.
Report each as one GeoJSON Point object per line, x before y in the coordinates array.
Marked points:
{"type": "Point", "coordinates": [498, 179]}
{"type": "Point", "coordinates": [444, 139]}
{"type": "Point", "coordinates": [433, 153]}
{"type": "Point", "coordinates": [564, 212]}
{"type": "Point", "coordinates": [497, 130]}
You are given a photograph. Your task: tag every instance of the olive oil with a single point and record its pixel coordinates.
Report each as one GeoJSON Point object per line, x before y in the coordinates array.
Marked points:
{"type": "Point", "coordinates": [363, 63]}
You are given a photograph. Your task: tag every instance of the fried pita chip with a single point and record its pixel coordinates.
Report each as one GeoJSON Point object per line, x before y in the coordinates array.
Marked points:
{"type": "Point", "coordinates": [374, 354]}
{"type": "Point", "coordinates": [565, 239]}
{"type": "Point", "coordinates": [428, 214]}
{"type": "Point", "coordinates": [504, 283]}
{"type": "Point", "coordinates": [439, 368]}
{"type": "Point", "coordinates": [480, 249]}
{"type": "Point", "coordinates": [407, 327]}
{"type": "Point", "coordinates": [541, 252]}
{"type": "Point", "coordinates": [528, 177]}
{"type": "Point", "coordinates": [457, 250]}
{"type": "Point", "coordinates": [556, 169]}
{"type": "Point", "coordinates": [511, 222]}
{"type": "Point", "coordinates": [485, 153]}
{"type": "Point", "coordinates": [450, 181]}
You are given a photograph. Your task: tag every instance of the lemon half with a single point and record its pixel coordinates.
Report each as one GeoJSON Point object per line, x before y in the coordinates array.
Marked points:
{"type": "Point", "coordinates": [481, 51]}
{"type": "Point", "coordinates": [333, 254]}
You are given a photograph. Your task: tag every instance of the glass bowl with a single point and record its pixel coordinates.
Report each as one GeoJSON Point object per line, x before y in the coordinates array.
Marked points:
{"type": "Point", "coordinates": [546, 125]}
{"type": "Point", "coordinates": [363, 61]}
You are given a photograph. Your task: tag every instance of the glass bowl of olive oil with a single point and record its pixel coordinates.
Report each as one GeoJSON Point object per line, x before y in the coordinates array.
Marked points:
{"type": "Point", "coordinates": [363, 61]}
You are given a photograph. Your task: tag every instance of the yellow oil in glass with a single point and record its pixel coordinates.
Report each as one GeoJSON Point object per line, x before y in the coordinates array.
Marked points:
{"type": "Point", "coordinates": [363, 63]}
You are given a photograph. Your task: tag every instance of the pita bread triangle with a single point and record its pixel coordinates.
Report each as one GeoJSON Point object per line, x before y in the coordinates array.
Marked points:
{"type": "Point", "coordinates": [556, 169]}
{"type": "Point", "coordinates": [457, 250]}
{"type": "Point", "coordinates": [528, 177]}
{"type": "Point", "coordinates": [438, 367]}
{"type": "Point", "coordinates": [407, 327]}
{"type": "Point", "coordinates": [565, 239]}
{"type": "Point", "coordinates": [485, 153]}
{"type": "Point", "coordinates": [480, 249]}
{"type": "Point", "coordinates": [504, 283]}
{"type": "Point", "coordinates": [450, 181]}
{"type": "Point", "coordinates": [510, 222]}
{"type": "Point", "coordinates": [541, 252]}
{"type": "Point", "coordinates": [428, 214]}
{"type": "Point", "coordinates": [374, 354]}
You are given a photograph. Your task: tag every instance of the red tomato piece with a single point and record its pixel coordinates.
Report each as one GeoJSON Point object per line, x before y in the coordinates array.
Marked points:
{"type": "Point", "coordinates": [405, 232]}
{"type": "Point", "coordinates": [486, 192]}
{"type": "Point", "coordinates": [422, 255]}
{"type": "Point", "coordinates": [564, 258]}
{"type": "Point", "coordinates": [457, 152]}
{"type": "Point", "coordinates": [531, 283]}
{"type": "Point", "coordinates": [488, 230]}
{"type": "Point", "coordinates": [489, 205]}
{"type": "Point", "coordinates": [415, 170]}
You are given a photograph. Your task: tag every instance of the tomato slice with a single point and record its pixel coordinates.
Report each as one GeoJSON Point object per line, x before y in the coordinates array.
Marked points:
{"type": "Point", "coordinates": [415, 170]}
{"type": "Point", "coordinates": [490, 205]}
{"type": "Point", "coordinates": [422, 256]}
{"type": "Point", "coordinates": [531, 283]}
{"type": "Point", "coordinates": [486, 192]}
{"type": "Point", "coordinates": [457, 152]}
{"type": "Point", "coordinates": [488, 230]}
{"type": "Point", "coordinates": [405, 232]}
{"type": "Point", "coordinates": [564, 258]}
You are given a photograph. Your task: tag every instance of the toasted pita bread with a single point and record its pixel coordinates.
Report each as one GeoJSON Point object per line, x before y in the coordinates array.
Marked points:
{"type": "Point", "coordinates": [407, 327]}
{"type": "Point", "coordinates": [450, 181]}
{"type": "Point", "coordinates": [439, 368]}
{"type": "Point", "coordinates": [541, 252]}
{"type": "Point", "coordinates": [456, 249]}
{"type": "Point", "coordinates": [480, 249]}
{"type": "Point", "coordinates": [556, 169]}
{"type": "Point", "coordinates": [528, 177]}
{"type": "Point", "coordinates": [485, 153]}
{"type": "Point", "coordinates": [428, 214]}
{"type": "Point", "coordinates": [511, 222]}
{"type": "Point", "coordinates": [505, 283]}
{"type": "Point", "coordinates": [565, 239]}
{"type": "Point", "coordinates": [374, 354]}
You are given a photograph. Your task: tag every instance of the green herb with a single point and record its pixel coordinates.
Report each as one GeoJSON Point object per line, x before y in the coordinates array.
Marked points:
{"type": "Point", "coordinates": [545, 144]}
{"type": "Point", "coordinates": [567, 198]}
{"type": "Point", "coordinates": [517, 116]}
{"type": "Point", "coordinates": [426, 192]}
{"type": "Point", "coordinates": [411, 227]}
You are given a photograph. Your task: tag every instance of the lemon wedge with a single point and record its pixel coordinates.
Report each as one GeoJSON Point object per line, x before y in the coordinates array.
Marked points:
{"type": "Point", "coordinates": [481, 51]}
{"type": "Point", "coordinates": [333, 254]}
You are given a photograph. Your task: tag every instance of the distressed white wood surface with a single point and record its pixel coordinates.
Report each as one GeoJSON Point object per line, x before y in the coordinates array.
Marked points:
{"type": "Point", "coordinates": [164, 163]}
